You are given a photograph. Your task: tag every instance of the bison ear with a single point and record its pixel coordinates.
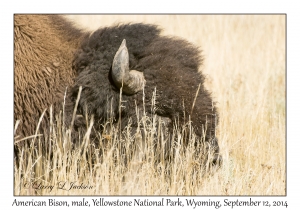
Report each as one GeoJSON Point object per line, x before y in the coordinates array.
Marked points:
{"type": "Point", "coordinates": [131, 81]}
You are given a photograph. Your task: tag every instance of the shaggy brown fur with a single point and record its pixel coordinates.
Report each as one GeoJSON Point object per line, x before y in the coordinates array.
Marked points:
{"type": "Point", "coordinates": [45, 64]}
{"type": "Point", "coordinates": [44, 49]}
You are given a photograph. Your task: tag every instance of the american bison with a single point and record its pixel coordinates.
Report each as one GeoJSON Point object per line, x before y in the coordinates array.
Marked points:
{"type": "Point", "coordinates": [51, 54]}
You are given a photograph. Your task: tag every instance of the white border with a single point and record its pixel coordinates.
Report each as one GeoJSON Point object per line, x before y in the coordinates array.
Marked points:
{"type": "Point", "coordinates": [54, 6]}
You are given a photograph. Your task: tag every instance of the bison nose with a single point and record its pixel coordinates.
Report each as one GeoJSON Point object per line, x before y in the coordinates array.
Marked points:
{"type": "Point", "coordinates": [217, 160]}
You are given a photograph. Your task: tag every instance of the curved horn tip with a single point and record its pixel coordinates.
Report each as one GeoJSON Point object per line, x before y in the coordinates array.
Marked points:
{"type": "Point", "coordinates": [123, 43]}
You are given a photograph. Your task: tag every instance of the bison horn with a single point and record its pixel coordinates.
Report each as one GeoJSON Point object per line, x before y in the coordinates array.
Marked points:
{"type": "Point", "coordinates": [131, 81]}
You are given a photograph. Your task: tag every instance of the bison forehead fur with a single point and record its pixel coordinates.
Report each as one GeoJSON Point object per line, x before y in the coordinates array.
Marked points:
{"type": "Point", "coordinates": [51, 54]}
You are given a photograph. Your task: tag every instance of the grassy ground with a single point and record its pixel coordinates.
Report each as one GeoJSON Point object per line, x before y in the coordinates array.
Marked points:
{"type": "Point", "coordinates": [245, 68]}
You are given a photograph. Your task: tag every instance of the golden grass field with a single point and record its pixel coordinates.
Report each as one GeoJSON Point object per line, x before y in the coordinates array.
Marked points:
{"type": "Point", "coordinates": [244, 62]}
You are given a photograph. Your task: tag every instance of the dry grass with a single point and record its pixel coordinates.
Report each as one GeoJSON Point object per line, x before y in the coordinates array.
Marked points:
{"type": "Point", "coordinates": [245, 68]}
